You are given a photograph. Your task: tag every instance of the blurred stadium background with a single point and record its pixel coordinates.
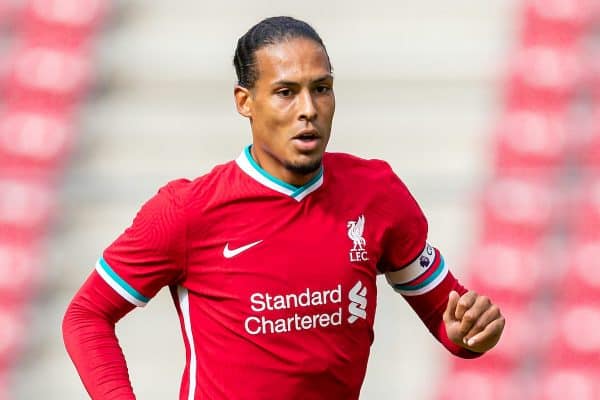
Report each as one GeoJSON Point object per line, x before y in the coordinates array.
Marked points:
{"type": "Point", "coordinates": [487, 110]}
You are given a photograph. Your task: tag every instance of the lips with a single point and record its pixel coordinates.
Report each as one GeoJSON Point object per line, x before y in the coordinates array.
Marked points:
{"type": "Point", "coordinates": [307, 140]}
{"type": "Point", "coordinates": [307, 135]}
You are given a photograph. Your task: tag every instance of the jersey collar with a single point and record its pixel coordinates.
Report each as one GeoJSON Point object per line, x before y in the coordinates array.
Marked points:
{"type": "Point", "coordinates": [250, 167]}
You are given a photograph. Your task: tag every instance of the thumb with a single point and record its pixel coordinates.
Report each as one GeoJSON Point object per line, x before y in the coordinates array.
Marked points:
{"type": "Point", "coordinates": [450, 313]}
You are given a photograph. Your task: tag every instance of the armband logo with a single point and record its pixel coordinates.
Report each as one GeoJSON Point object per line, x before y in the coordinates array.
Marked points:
{"type": "Point", "coordinates": [424, 261]}
{"type": "Point", "coordinates": [427, 256]}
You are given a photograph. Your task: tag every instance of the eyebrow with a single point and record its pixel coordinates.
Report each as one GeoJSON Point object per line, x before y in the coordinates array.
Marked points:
{"type": "Point", "coordinates": [292, 83]}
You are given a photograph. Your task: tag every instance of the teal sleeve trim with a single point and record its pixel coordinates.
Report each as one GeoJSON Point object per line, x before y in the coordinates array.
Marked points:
{"type": "Point", "coordinates": [124, 285]}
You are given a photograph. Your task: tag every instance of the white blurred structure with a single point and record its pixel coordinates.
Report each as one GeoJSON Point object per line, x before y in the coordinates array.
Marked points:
{"type": "Point", "coordinates": [414, 85]}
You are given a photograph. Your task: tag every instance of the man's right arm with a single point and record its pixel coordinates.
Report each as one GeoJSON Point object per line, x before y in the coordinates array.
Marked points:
{"type": "Point", "coordinates": [147, 256]}
{"type": "Point", "coordinates": [89, 335]}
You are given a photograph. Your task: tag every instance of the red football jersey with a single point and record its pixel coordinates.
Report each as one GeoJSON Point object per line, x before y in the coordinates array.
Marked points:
{"type": "Point", "coordinates": [275, 284]}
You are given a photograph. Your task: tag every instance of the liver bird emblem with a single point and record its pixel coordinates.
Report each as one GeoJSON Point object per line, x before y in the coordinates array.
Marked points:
{"type": "Point", "coordinates": [355, 233]}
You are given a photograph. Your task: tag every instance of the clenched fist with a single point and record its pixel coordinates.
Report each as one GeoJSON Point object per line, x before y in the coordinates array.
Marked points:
{"type": "Point", "coordinates": [473, 322]}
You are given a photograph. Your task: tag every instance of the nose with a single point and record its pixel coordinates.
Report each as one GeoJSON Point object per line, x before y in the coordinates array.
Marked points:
{"type": "Point", "coordinates": [306, 106]}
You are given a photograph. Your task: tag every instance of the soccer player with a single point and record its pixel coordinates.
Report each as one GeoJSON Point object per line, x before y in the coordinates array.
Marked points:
{"type": "Point", "coordinates": [272, 258]}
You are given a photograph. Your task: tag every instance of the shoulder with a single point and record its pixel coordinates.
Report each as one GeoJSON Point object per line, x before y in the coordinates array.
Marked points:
{"type": "Point", "coordinates": [353, 163]}
{"type": "Point", "coordinates": [375, 181]}
{"type": "Point", "coordinates": [184, 191]}
{"type": "Point", "coordinates": [374, 174]}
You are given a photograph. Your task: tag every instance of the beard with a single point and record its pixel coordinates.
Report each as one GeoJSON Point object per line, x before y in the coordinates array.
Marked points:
{"type": "Point", "coordinates": [303, 169]}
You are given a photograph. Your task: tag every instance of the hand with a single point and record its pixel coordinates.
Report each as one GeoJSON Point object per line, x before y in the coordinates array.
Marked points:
{"type": "Point", "coordinates": [473, 322]}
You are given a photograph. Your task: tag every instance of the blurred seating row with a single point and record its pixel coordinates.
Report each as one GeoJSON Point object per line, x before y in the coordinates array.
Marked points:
{"type": "Point", "coordinates": [526, 209]}
{"type": "Point", "coordinates": [544, 142]}
{"type": "Point", "coordinates": [46, 69]}
{"type": "Point", "coordinates": [550, 383]}
{"type": "Point", "coordinates": [537, 252]}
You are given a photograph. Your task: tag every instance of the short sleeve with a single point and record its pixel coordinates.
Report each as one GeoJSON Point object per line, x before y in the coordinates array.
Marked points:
{"type": "Point", "coordinates": [151, 253]}
{"type": "Point", "coordinates": [406, 233]}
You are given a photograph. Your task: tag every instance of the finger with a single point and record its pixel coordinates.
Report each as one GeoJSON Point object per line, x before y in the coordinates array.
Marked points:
{"type": "Point", "coordinates": [490, 315]}
{"type": "Point", "coordinates": [466, 302]}
{"type": "Point", "coordinates": [472, 315]}
{"type": "Point", "coordinates": [453, 298]}
{"type": "Point", "coordinates": [490, 335]}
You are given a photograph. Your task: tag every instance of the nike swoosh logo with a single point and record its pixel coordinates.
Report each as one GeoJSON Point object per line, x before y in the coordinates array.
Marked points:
{"type": "Point", "coordinates": [228, 253]}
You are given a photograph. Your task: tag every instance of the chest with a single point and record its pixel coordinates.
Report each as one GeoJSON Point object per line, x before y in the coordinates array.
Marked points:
{"type": "Point", "coordinates": [284, 247]}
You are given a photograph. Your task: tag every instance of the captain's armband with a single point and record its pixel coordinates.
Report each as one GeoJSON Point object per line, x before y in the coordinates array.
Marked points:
{"type": "Point", "coordinates": [421, 275]}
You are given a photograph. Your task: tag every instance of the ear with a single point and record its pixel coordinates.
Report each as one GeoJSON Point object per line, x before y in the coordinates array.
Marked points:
{"type": "Point", "coordinates": [243, 101]}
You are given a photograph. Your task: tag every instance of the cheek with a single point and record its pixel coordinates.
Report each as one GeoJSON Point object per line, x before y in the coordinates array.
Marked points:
{"type": "Point", "coordinates": [273, 123]}
{"type": "Point", "coordinates": [326, 104]}
{"type": "Point", "coordinates": [327, 110]}
{"type": "Point", "coordinates": [277, 115]}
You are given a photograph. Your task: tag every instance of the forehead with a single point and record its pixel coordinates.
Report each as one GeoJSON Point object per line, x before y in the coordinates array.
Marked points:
{"type": "Point", "coordinates": [296, 59]}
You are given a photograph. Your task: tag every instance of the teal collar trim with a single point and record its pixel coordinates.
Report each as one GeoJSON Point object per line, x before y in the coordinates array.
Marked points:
{"type": "Point", "coordinates": [250, 167]}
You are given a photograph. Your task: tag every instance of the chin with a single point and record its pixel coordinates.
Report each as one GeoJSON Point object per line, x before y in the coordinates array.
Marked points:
{"type": "Point", "coordinates": [304, 167]}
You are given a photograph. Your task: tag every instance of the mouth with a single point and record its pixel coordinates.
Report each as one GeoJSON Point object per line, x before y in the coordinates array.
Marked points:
{"type": "Point", "coordinates": [307, 135]}
{"type": "Point", "coordinates": [307, 141]}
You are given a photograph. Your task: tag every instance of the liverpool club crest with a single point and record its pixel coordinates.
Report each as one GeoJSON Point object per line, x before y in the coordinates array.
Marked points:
{"type": "Point", "coordinates": [355, 233]}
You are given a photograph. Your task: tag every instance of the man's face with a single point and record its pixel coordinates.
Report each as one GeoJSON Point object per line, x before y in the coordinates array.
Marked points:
{"type": "Point", "coordinates": [291, 108]}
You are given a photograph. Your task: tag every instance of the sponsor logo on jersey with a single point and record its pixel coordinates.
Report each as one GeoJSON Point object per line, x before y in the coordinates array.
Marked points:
{"type": "Point", "coordinates": [355, 233]}
{"type": "Point", "coordinates": [309, 309]}
{"type": "Point", "coordinates": [358, 302]}
{"type": "Point", "coordinates": [228, 253]}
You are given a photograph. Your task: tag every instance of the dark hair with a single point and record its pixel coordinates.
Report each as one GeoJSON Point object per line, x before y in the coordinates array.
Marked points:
{"type": "Point", "coordinates": [267, 32]}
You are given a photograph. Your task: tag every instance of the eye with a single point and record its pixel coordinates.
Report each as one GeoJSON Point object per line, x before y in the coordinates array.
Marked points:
{"type": "Point", "coordinates": [284, 92]}
{"type": "Point", "coordinates": [323, 89]}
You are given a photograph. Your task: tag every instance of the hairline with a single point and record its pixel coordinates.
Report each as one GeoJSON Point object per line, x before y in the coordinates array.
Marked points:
{"type": "Point", "coordinates": [286, 37]}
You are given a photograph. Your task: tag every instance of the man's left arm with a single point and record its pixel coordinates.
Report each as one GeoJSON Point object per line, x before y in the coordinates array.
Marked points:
{"type": "Point", "coordinates": [465, 322]}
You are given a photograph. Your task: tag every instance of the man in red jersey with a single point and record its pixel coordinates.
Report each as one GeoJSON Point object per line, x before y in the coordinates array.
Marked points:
{"type": "Point", "coordinates": [272, 258]}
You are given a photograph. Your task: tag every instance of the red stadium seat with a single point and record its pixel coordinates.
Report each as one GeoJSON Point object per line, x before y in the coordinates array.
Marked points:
{"type": "Point", "coordinates": [574, 339]}
{"type": "Point", "coordinates": [543, 77]}
{"type": "Point", "coordinates": [48, 77]}
{"type": "Point", "coordinates": [581, 280]}
{"type": "Point", "coordinates": [555, 21]}
{"type": "Point", "coordinates": [584, 212]}
{"type": "Point", "coordinates": [12, 333]}
{"type": "Point", "coordinates": [531, 142]}
{"type": "Point", "coordinates": [519, 209]}
{"type": "Point", "coordinates": [508, 271]}
{"type": "Point", "coordinates": [4, 69]}
{"type": "Point", "coordinates": [8, 11]}
{"type": "Point", "coordinates": [26, 206]}
{"type": "Point", "coordinates": [63, 22]}
{"type": "Point", "coordinates": [4, 14]}
{"type": "Point", "coordinates": [562, 383]}
{"type": "Point", "coordinates": [588, 148]}
{"type": "Point", "coordinates": [474, 384]}
{"type": "Point", "coordinates": [34, 139]}
{"type": "Point", "coordinates": [4, 386]}
{"type": "Point", "coordinates": [20, 271]}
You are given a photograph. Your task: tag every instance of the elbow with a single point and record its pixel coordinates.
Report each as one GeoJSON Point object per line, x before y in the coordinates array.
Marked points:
{"type": "Point", "coordinates": [70, 321]}
{"type": "Point", "coordinates": [80, 320]}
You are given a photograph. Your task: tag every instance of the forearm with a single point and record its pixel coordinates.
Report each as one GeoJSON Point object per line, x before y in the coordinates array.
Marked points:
{"type": "Point", "coordinates": [430, 308]}
{"type": "Point", "coordinates": [89, 336]}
